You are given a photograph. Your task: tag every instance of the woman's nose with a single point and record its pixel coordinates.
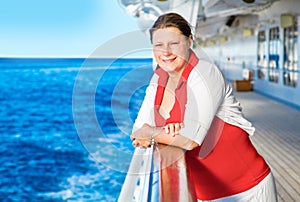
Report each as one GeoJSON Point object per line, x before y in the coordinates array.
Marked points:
{"type": "Point", "coordinates": [167, 50]}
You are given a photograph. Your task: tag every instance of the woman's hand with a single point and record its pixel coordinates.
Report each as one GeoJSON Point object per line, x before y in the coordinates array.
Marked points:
{"type": "Point", "coordinates": [142, 137]}
{"type": "Point", "coordinates": [172, 129]}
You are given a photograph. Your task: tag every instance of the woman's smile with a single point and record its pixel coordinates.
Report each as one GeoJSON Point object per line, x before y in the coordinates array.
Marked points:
{"type": "Point", "coordinates": [168, 60]}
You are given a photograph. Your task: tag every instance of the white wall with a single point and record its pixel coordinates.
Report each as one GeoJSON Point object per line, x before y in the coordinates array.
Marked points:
{"type": "Point", "coordinates": [234, 55]}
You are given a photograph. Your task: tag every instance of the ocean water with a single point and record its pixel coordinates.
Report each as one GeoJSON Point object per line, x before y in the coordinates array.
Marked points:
{"type": "Point", "coordinates": [64, 126]}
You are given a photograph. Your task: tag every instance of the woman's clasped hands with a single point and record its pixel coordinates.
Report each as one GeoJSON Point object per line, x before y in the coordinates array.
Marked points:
{"type": "Point", "coordinates": [144, 136]}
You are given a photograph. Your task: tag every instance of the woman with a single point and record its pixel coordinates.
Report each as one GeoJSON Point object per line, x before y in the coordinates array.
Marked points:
{"type": "Point", "coordinates": [188, 104]}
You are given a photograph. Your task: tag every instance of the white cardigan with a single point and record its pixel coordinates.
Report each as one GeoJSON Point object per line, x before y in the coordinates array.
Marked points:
{"type": "Point", "coordinates": [208, 95]}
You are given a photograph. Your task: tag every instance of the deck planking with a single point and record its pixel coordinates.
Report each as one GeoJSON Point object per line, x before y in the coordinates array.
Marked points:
{"type": "Point", "coordinates": [277, 139]}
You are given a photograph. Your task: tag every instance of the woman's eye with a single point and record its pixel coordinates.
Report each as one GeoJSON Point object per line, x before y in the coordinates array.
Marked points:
{"type": "Point", "coordinates": [174, 43]}
{"type": "Point", "coordinates": [158, 45]}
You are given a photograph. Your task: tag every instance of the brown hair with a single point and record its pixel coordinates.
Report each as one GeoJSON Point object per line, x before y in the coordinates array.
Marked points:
{"type": "Point", "coordinates": [171, 20]}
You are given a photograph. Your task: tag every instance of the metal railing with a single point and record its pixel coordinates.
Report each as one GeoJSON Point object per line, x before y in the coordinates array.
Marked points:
{"type": "Point", "coordinates": [157, 174]}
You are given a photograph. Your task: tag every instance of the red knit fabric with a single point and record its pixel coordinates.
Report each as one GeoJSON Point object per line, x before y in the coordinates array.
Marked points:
{"type": "Point", "coordinates": [232, 167]}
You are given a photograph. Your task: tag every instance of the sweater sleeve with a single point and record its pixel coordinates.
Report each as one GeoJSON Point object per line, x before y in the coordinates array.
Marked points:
{"type": "Point", "coordinates": [205, 93]}
{"type": "Point", "coordinates": [146, 112]}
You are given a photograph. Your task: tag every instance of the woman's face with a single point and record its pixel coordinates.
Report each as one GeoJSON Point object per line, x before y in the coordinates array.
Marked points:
{"type": "Point", "coordinates": [171, 49]}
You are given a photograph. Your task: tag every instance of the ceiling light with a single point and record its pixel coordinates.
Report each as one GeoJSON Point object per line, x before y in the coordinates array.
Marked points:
{"type": "Point", "coordinates": [249, 1]}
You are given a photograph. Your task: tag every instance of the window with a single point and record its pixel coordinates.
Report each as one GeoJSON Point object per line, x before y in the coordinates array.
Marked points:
{"type": "Point", "coordinates": [290, 65]}
{"type": "Point", "coordinates": [274, 52]}
{"type": "Point", "coordinates": [262, 55]}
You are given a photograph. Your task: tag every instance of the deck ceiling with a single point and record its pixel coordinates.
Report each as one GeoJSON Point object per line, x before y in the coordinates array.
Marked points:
{"type": "Point", "coordinates": [223, 8]}
{"type": "Point", "coordinates": [214, 17]}
{"type": "Point", "coordinates": [217, 16]}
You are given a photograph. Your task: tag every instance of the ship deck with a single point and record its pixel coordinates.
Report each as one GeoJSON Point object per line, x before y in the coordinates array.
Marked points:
{"type": "Point", "coordinates": [277, 138]}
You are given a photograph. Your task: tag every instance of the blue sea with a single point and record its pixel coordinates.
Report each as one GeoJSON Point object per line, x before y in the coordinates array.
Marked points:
{"type": "Point", "coordinates": [65, 126]}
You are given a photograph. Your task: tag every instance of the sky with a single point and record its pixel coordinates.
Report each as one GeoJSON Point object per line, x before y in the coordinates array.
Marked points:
{"type": "Point", "coordinates": [60, 28]}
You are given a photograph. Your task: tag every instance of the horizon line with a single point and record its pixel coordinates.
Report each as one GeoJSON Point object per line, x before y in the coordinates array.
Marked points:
{"type": "Point", "coordinates": [71, 57]}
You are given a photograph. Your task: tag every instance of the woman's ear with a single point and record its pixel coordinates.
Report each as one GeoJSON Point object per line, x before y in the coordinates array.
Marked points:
{"type": "Point", "coordinates": [190, 40]}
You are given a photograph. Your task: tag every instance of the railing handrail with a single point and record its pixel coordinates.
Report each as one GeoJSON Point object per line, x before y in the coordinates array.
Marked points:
{"type": "Point", "coordinates": [137, 181]}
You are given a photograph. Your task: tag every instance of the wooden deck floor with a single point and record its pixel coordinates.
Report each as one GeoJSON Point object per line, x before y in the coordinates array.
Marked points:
{"type": "Point", "coordinates": [277, 138]}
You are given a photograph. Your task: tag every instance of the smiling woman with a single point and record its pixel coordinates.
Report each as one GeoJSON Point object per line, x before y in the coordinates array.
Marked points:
{"type": "Point", "coordinates": [59, 28]}
{"type": "Point", "coordinates": [190, 105]}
